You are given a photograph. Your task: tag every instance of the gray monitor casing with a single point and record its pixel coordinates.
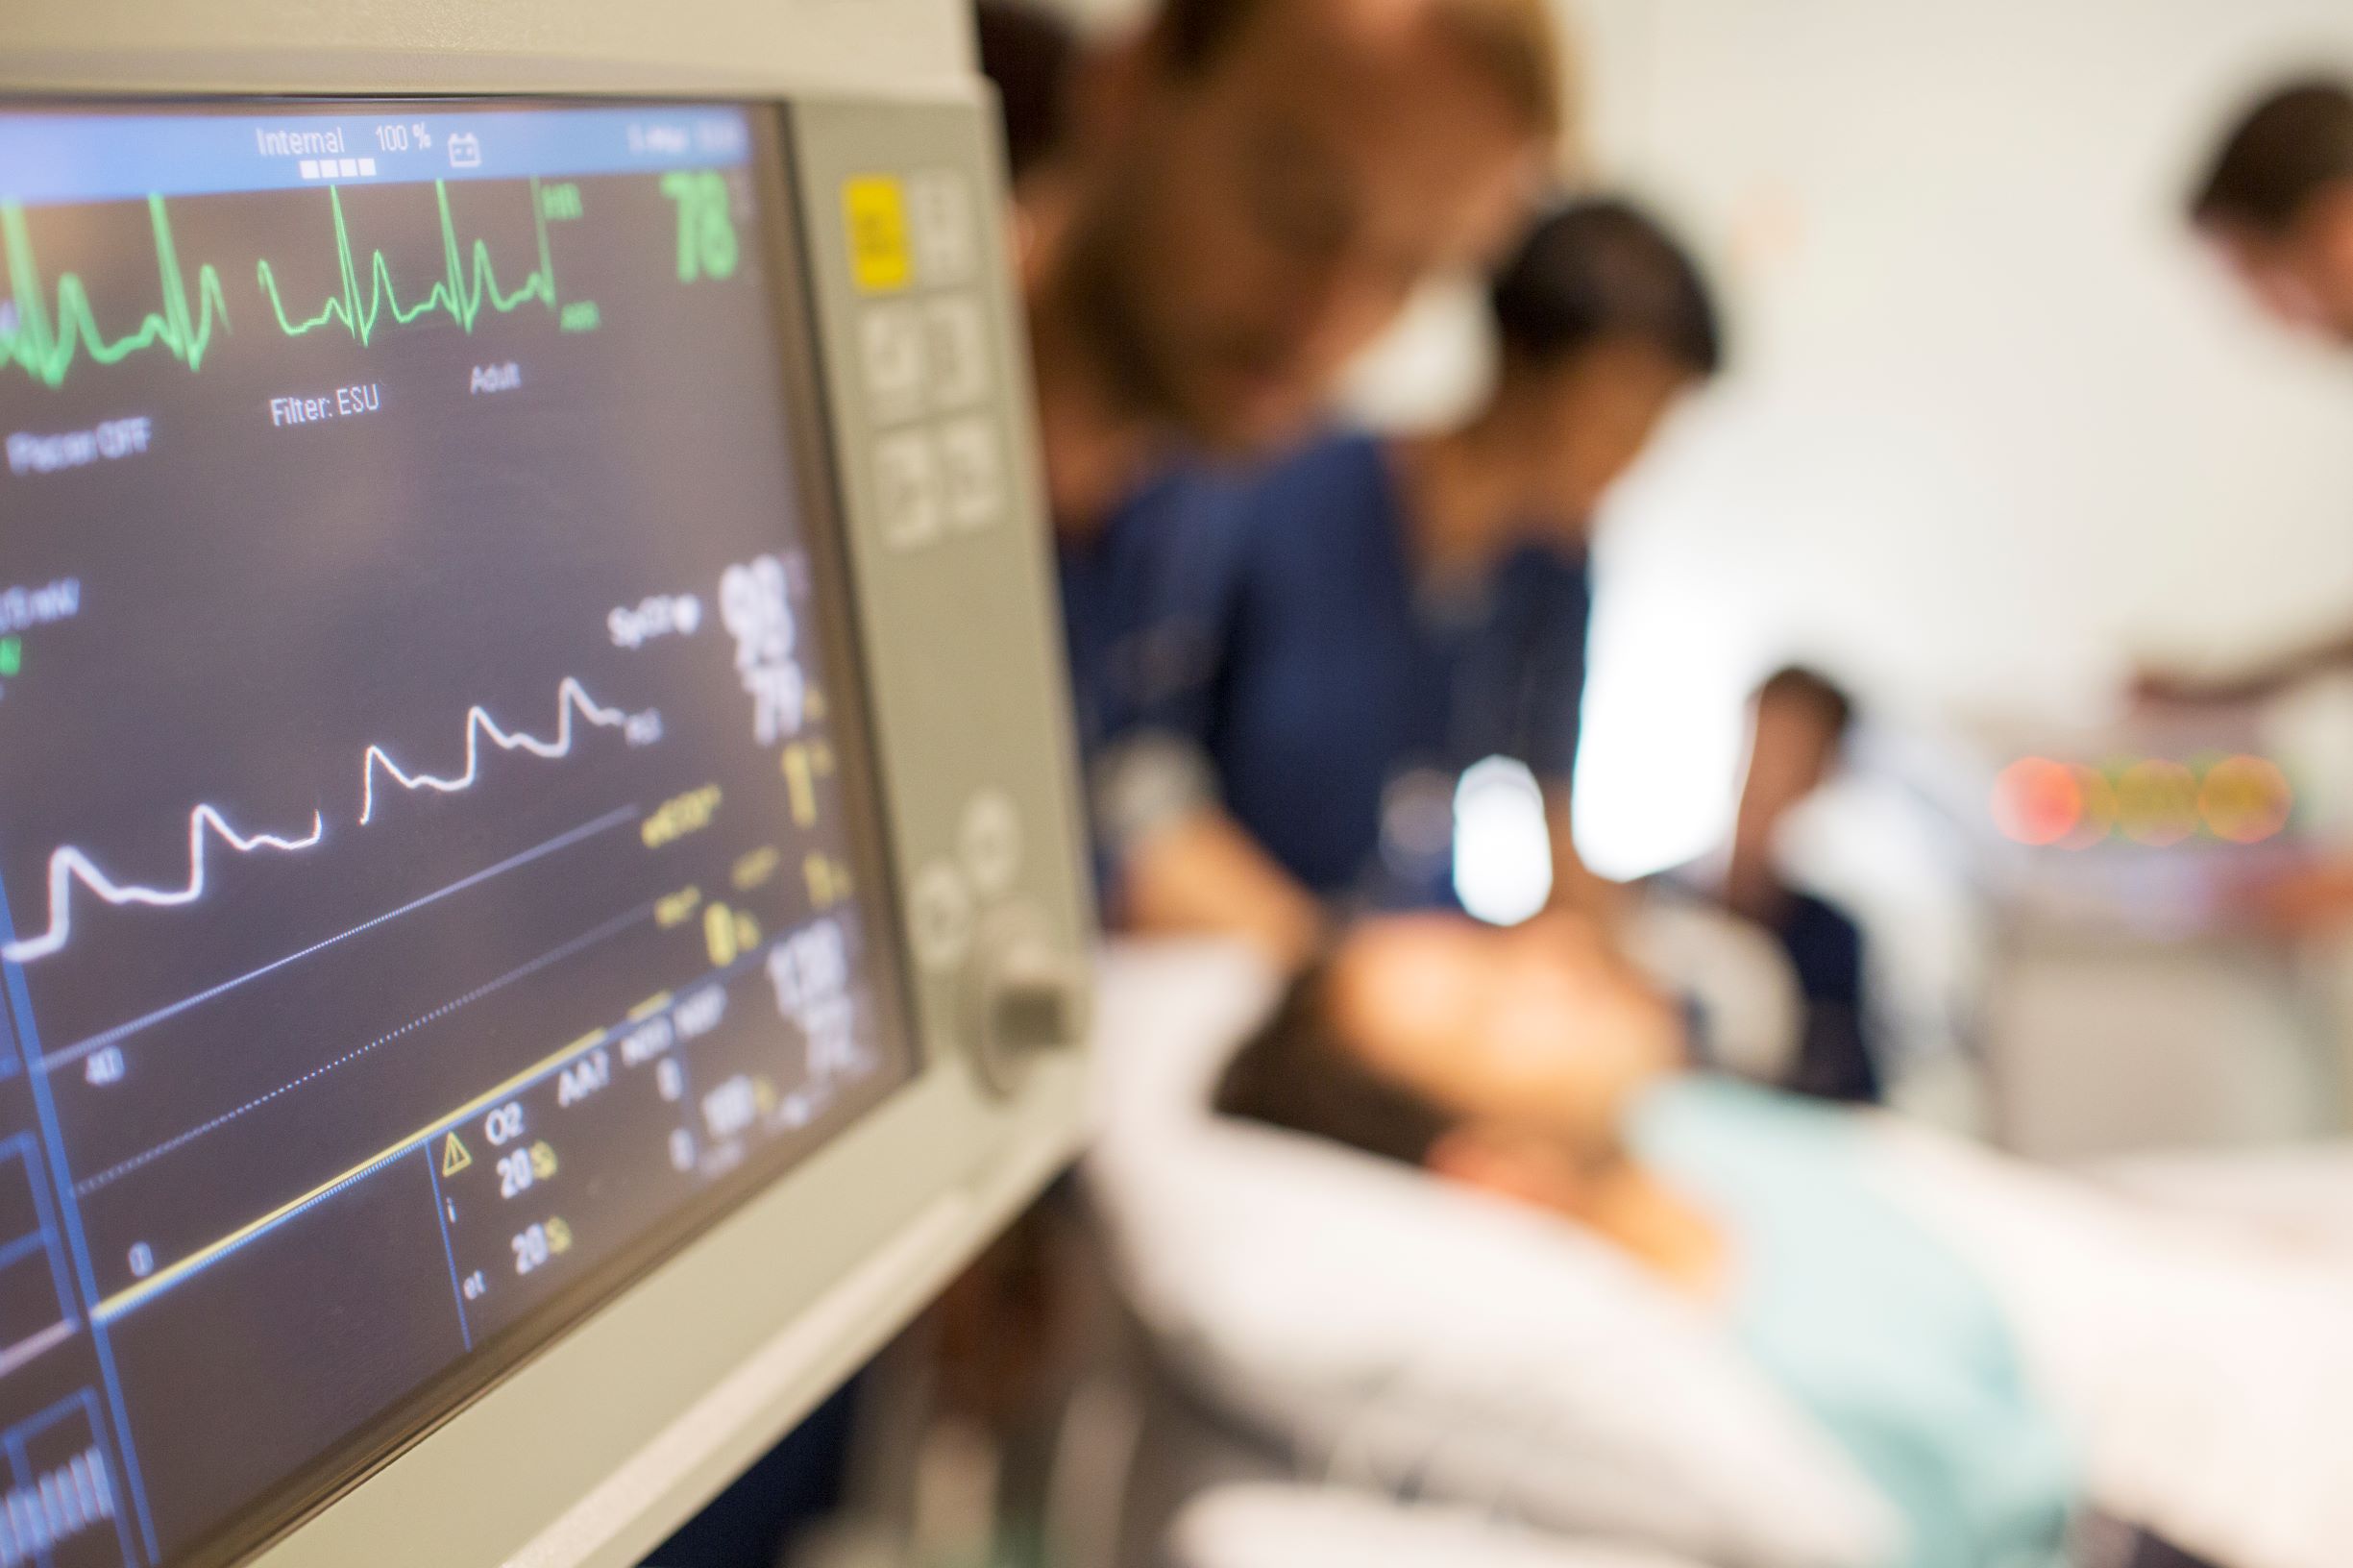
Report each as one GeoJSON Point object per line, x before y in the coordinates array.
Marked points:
{"type": "Point", "coordinates": [600, 1445]}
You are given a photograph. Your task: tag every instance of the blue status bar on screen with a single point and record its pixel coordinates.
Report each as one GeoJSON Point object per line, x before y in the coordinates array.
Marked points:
{"type": "Point", "coordinates": [50, 158]}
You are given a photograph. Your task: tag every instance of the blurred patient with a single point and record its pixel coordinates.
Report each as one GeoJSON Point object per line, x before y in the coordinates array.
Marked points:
{"type": "Point", "coordinates": [1370, 617]}
{"type": "Point", "coordinates": [1893, 1283]}
{"type": "Point", "coordinates": [1505, 1058]}
{"type": "Point", "coordinates": [1526, 1064]}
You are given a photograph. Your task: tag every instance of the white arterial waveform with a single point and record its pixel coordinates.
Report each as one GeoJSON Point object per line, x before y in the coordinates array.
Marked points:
{"type": "Point", "coordinates": [69, 864]}
{"type": "Point", "coordinates": [571, 697]}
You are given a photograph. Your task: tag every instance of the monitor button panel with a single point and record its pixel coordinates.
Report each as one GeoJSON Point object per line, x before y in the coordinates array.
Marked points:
{"type": "Point", "coordinates": [950, 558]}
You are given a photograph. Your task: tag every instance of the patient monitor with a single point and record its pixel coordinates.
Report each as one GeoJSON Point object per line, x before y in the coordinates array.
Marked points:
{"type": "Point", "coordinates": [540, 904]}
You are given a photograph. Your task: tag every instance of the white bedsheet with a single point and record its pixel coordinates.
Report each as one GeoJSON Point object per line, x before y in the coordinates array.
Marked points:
{"type": "Point", "coordinates": [2207, 1363]}
{"type": "Point", "coordinates": [1262, 1525]}
{"type": "Point", "coordinates": [2299, 1196]}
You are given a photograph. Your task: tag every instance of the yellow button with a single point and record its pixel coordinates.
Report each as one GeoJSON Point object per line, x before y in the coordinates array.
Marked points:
{"type": "Point", "coordinates": [876, 210]}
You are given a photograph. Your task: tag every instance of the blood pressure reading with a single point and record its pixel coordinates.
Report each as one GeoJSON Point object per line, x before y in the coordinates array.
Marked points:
{"type": "Point", "coordinates": [431, 871]}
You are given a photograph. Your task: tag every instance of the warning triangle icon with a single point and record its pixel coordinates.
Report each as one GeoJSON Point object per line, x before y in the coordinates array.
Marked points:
{"type": "Point", "coordinates": [453, 1157]}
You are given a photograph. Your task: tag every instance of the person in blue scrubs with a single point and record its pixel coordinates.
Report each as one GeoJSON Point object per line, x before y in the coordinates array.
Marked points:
{"type": "Point", "coordinates": [1337, 636]}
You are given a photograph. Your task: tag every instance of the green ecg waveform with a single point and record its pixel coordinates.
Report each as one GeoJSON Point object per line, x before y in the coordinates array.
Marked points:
{"type": "Point", "coordinates": [44, 342]}
{"type": "Point", "coordinates": [461, 292]}
{"type": "Point", "coordinates": [44, 347]}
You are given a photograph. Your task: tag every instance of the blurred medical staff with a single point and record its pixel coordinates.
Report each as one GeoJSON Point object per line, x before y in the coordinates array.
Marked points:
{"type": "Point", "coordinates": [1367, 619]}
{"type": "Point", "coordinates": [1251, 190]}
{"type": "Point", "coordinates": [1031, 56]}
{"type": "Point", "coordinates": [2279, 200]}
{"type": "Point", "coordinates": [1798, 722]}
{"type": "Point", "coordinates": [2278, 203]}
{"type": "Point", "coordinates": [1213, 216]}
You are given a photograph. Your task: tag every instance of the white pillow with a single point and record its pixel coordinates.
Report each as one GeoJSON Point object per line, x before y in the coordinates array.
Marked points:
{"type": "Point", "coordinates": [1408, 1336]}
{"type": "Point", "coordinates": [1746, 990]}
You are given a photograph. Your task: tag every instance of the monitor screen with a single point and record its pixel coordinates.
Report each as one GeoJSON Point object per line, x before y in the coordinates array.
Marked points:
{"type": "Point", "coordinates": [437, 873]}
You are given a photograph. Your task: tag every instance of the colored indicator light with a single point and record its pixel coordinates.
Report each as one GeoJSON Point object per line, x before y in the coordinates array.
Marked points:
{"type": "Point", "coordinates": [12, 656]}
{"type": "Point", "coordinates": [2098, 816]}
{"type": "Point", "coordinates": [2245, 799]}
{"type": "Point", "coordinates": [2038, 802]}
{"type": "Point", "coordinates": [2156, 802]}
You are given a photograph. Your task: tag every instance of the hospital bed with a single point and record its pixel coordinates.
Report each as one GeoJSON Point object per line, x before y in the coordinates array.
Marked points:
{"type": "Point", "coordinates": [1514, 1391]}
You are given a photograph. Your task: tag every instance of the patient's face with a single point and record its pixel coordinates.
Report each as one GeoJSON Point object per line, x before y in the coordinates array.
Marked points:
{"type": "Point", "coordinates": [1538, 1026]}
